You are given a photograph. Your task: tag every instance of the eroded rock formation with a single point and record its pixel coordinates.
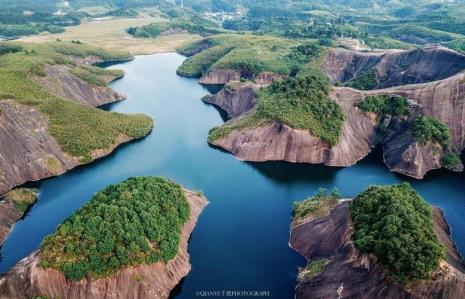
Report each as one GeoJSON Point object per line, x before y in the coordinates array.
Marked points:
{"type": "Point", "coordinates": [8, 217]}
{"type": "Point", "coordinates": [28, 279]}
{"type": "Point", "coordinates": [443, 99]}
{"type": "Point", "coordinates": [350, 274]}
{"type": "Point", "coordinates": [235, 98]}
{"type": "Point", "coordinates": [395, 67]}
{"type": "Point", "coordinates": [223, 76]}
{"type": "Point", "coordinates": [62, 83]}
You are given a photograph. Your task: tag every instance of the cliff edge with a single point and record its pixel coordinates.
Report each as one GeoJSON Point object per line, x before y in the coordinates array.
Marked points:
{"type": "Point", "coordinates": [28, 279]}
{"type": "Point", "coordinates": [346, 273]}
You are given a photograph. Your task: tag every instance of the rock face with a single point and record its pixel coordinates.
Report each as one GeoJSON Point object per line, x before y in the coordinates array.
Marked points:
{"type": "Point", "coordinates": [30, 152]}
{"type": "Point", "coordinates": [350, 274]}
{"type": "Point", "coordinates": [443, 99]}
{"type": "Point", "coordinates": [235, 99]}
{"type": "Point", "coordinates": [278, 142]}
{"type": "Point", "coordinates": [223, 76]}
{"type": "Point", "coordinates": [62, 83]}
{"type": "Point", "coordinates": [8, 216]}
{"type": "Point", "coordinates": [27, 279]}
{"type": "Point", "coordinates": [393, 68]}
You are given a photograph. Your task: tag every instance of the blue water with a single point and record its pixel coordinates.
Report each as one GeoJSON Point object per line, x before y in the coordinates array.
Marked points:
{"type": "Point", "coordinates": [240, 242]}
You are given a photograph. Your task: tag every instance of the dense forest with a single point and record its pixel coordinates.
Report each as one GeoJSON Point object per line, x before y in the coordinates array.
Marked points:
{"type": "Point", "coordinates": [134, 222]}
{"type": "Point", "coordinates": [389, 218]}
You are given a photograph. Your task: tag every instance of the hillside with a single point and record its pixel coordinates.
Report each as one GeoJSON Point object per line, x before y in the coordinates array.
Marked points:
{"type": "Point", "coordinates": [47, 117]}
{"type": "Point", "coordinates": [404, 152]}
{"type": "Point", "coordinates": [153, 215]}
{"type": "Point", "coordinates": [339, 267]}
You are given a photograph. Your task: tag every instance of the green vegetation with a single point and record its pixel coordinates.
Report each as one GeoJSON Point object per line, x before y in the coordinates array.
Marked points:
{"type": "Point", "coordinates": [364, 81]}
{"type": "Point", "coordinates": [253, 54]}
{"type": "Point", "coordinates": [191, 23]}
{"type": "Point", "coordinates": [312, 270]}
{"type": "Point", "coordinates": [22, 198]}
{"type": "Point", "coordinates": [135, 222]}
{"type": "Point", "coordinates": [383, 42]}
{"type": "Point", "coordinates": [95, 75]}
{"type": "Point", "coordinates": [6, 48]}
{"type": "Point", "coordinates": [385, 105]}
{"type": "Point", "coordinates": [32, 17]}
{"type": "Point", "coordinates": [395, 224]}
{"type": "Point", "coordinates": [317, 206]}
{"type": "Point", "coordinates": [429, 129]}
{"type": "Point", "coordinates": [78, 129]}
{"type": "Point", "coordinates": [200, 63]}
{"type": "Point", "coordinates": [303, 102]}
{"type": "Point", "coordinates": [252, 119]}
{"type": "Point", "coordinates": [78, 49]}
{"type": "Point", "coordinates": [451, 161]}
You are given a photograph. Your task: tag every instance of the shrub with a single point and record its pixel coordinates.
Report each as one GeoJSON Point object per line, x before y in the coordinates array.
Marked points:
{"type": "Point", "coordinates": [303, 102]}
{"type": "Point", "coordinates": [364, 81]}
{"type": "Point", "coordinates": [254, 54]}
{"type": "Point", "coordinates": [134, 222]}
{"type": "Point", "coordinates": [22, 198]}
{"type": "Point", "coordinates": [385, 104]}
{"type": "Point", "coordinates": [395, 224]}
{"type": "Point", "coordinates": [318, 205]}
{"type": "Point", "coordinates": [9, 48]}
{"type": "Point", "coordinates": [429, 129]}
{"type": "Point", "coordinates": [451, 161]}
{"type": "Point", "coordinates": [312, 270]}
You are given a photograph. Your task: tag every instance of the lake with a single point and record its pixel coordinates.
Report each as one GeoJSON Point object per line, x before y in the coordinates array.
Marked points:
{"type": "Point", "coordinates": [241, 240]}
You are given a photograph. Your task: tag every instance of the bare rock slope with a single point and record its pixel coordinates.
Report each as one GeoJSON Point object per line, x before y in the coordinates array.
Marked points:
{"type": "Point", "coordinates": [8, 216]}
{"type": "Point", "coordinates": [27, 279]}
{"type": "Point", "coordinates": [393, 68]}
{"type": "Point", "coordinates": [235, 98]}
{"type": "Point", "coordinates": [350, 274]}
{"type": "Point", "coordinates": [62, 83]}
{"type": "Point", "coordinates": [442, 99]}
{"type": "Point", "coordinates": [32, 153]}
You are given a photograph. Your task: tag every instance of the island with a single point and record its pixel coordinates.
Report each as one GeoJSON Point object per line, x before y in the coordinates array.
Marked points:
{"type": "Point", "coordinates": [385, 243]}
{"type": "Point", "coordinates": [129, 241]}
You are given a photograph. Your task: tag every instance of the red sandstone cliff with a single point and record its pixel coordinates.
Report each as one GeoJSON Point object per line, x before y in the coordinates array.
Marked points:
{"type": "Point", "coordinates": [350, 274]}
{"type": "Point", "coordinates": [273, 141]}
{"type": "Point", "coordinates": [27, 279]}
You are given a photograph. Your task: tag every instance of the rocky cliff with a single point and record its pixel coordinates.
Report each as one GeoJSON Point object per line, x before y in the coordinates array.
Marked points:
{"type": "Point", "coordinates": [235, 98]}
{"type": "Point", "coordinates": [8, 216]}
{"type": "Point", "coordinates": [27, 279]}
{"type": "Point", "coordinates": [62, 83]}
{"type": "Point", "coordinates": [393, 68]}
{"type": "Point", "coordinates": [223, 76]}
{"type": "Point", "coordinates": [350, 274]}
{"type": "Point", "coordinates": [29, 151]}
{"type": "Point", "coordinates": [274, 141]}
{"type": "Point", "coordinates": [442, 99]}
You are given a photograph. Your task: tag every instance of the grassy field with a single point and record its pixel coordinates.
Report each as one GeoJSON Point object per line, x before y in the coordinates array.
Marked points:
{"type": "Point", "coordinates": [111, 34]}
